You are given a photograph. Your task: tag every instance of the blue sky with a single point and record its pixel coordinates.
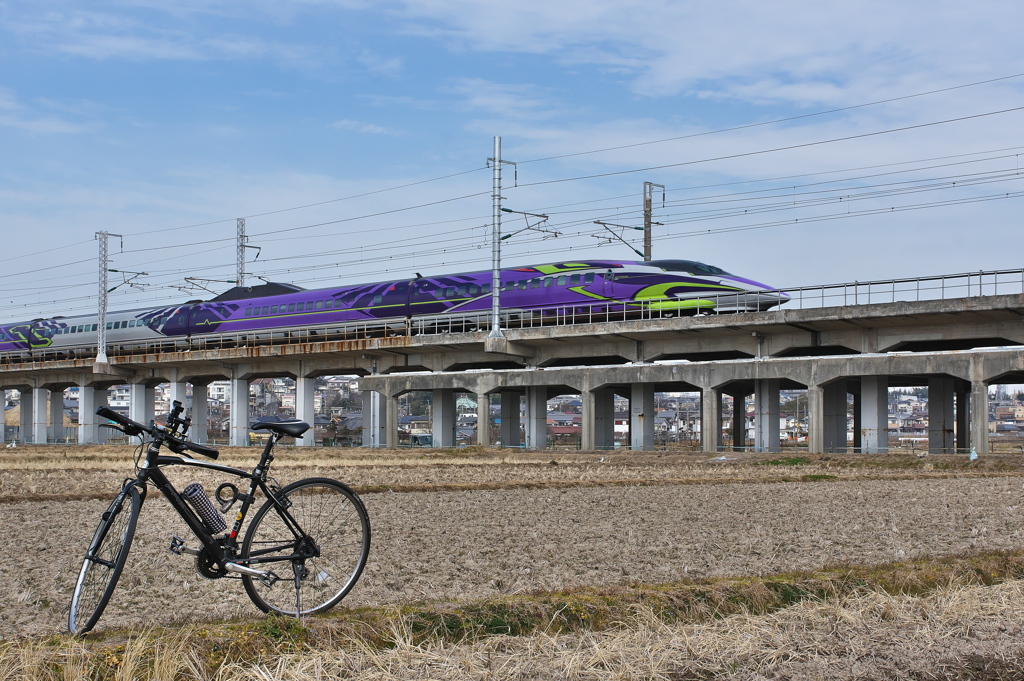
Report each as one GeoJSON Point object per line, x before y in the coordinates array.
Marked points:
{"type": "Point", "coordinates": [147, 121]}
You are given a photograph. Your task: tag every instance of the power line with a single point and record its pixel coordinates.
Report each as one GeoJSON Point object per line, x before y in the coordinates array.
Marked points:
{"type": "Point", "coordinates": [775, 149]}
{"type": "Point", "coordinates": [318, 203]}
{"type": "Point", "coordinates": [773, 122]}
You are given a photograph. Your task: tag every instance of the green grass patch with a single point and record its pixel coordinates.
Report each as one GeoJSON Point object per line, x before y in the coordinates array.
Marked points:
{"type": "Point", "coordinates": [787, 461]}
{"type": "Point", "coordinates": [112, 654]}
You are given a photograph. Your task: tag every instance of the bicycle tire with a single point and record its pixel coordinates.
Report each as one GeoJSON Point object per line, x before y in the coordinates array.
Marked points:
{"type": "Point", "coordinates": [334, 517]}
{"type": "Point", "coordinates": [104, 560]}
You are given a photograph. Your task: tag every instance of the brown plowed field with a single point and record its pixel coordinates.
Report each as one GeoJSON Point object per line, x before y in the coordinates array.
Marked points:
{"type": "Point", "coordinates": [480, 524]}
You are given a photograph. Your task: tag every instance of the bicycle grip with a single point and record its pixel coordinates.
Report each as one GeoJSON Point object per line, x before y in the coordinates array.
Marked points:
{"type": "Point", "coordinates": [202, 449]}
{"type": "Point", "coordinates": [130, 427]}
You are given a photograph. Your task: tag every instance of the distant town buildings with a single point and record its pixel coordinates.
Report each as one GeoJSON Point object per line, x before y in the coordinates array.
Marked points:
{"type": "Point", "coordinates": [339, 418]}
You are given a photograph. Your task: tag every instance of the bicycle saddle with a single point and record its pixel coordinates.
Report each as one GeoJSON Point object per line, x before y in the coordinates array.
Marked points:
{"type": "Point", "coordinates": [295, 428]}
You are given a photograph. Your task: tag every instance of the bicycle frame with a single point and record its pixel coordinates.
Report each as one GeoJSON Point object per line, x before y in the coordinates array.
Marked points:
{"type": "Point", "coordinates": [222, 553]}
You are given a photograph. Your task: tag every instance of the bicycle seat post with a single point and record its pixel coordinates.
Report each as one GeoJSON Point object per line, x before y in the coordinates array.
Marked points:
{"type": "Point", "coordinates": [267, 457]}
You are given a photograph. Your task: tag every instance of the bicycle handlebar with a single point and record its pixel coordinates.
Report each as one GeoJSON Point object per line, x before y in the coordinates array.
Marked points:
{"type": "Point", "coordinates": [173, 442]}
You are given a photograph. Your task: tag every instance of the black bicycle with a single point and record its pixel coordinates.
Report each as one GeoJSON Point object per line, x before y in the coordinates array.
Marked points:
{"type": "Point", "coordinates": [303, 551]}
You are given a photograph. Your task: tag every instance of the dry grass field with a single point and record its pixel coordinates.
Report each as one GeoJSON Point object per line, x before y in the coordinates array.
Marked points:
{"type": "Point", "coordinates": [586, 547]}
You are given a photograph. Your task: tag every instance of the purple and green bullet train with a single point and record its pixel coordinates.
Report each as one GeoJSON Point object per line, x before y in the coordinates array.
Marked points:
{"type": "Point", "coordinates": [662, 287]}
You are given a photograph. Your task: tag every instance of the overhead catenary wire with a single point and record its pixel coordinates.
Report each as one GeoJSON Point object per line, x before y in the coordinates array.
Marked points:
{"type": "Point", "coordinates": [773, 122]}
{"type": "Point", "coordinates": [772, 150]}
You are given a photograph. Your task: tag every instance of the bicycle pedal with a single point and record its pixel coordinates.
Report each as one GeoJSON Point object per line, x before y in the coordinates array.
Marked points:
{"type": "Point", "coordinates": [178, 547]}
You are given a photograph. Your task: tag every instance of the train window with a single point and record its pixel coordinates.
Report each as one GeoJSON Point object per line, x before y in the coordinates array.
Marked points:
{"type": "Point", "coordinates": [521, 285]}
{"type": "Point", "coordinates": [562, 281]}
{"type": "Point", "coordinates": [535, 283]}
{"type": "Point", "coordinates": [462, 291]}
{"type": "Point", "coordinates": [588, 278]}
{"type": "Point", "coordinates": [110, 325]}
{"type": "Point", "coordinates": [574, 280]}
{"type": "Point", "coordinates": [378, 299]}
{"type": "Point", "coordinates": [266, 309]}
{"type": "Point", "coordinates": [93, 326]}
{"type": "Point", "coordinates": [548, 281]}
{"type": "Point", "coordinates": [248, 312]}
{"type": "Point", "coordinates": [327, 304]}
{"type": "Point", "coordinates": [474, 290]}
{"type": "Point", "coordinates": [319, 304]}
{"type": "Point", "coordinates": [273, 309]}
{"type": "Point", "coordinates": [449, 292]}
{"type": "Point", "coordinates": [509, 285]}
{"type": "Point", "coordinates": [485, 289]}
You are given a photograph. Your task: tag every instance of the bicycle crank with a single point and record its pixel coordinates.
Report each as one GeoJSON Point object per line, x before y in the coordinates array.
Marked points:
{"type": "Point", "coordinates": [268, 579]}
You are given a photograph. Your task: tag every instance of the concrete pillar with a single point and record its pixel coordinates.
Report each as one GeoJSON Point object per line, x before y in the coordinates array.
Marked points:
{"type": "Point", "coordinates": [874, 414]}
{"type": "Point", "coordinates": [739, 421]}
{"type": "Point", "coordinates": [857, 442]}
{"type": "Point", "coordinates": [137, 402]}
{"type": "Point", "coordinates": [374, 419]}
{"type": "Point", "coordinates": [536, 417]}
{"type": "Point", "coordinates": [40, 410]}
{"type": "Point", "coordinates": [510, 435]}
{"type": "Point", "coordinates": [304, 410]}
{"type": "Point", "coordinates": [101, 400]}
{"type": "Point", "coordinates": [150, 404]}
{"type": "Point", "coordinates": [587, 434]}
{"type": "Point", "coordinates": [391, 418]}
{"type": "Point", "coordinates": [604, 418]}
{"type": "Point", "coordinates": [835, 416]}
{"type": "Point", "coordinates": [711, 419]}
{"type": "Point", "coordinates": [239, 423]}
{"type": "Point", "coordinates": [815, 419]}
{"type": "Point", "coordinates": [200, 414]}
{"type": "Point", "coordinates": [443, 417]}
{"type": "Point", "coordinates": [87, 419]}
{"type": "Point", "coordinates": [940, 415]}
{"type": "Point", "coordinates": [641, 416]}
{"type": "Point", "coordinates": [56, 430]}
{"type": "Point", "coordinates": [962, 395]}
{"type": "Point", "coordinates": [26, 422]}
{"type": "Point", "coordinates": [766, 415]}
{"type": "Point", "coordinates": [483, 420]}
{"type": "Point", "coordinates": [979, 417]}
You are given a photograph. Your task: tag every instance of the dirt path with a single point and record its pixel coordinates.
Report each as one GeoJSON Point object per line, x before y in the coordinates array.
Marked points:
{"type": "Point", "coordinates": [472, 544]}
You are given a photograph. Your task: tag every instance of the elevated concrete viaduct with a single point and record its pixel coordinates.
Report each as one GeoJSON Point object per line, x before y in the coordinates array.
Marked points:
{"type": "Point", "coordinates": [957, 347]}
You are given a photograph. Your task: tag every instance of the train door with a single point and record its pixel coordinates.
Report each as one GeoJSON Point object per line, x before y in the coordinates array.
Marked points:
{"type": "Point", "coordinates": [608, 284]}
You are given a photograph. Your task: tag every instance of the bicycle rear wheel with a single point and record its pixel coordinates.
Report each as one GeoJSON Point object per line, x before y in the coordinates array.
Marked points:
{"type": "Point", "coordinates": [318, 560]}
{"type": "Point", "coordinates": [104, 561]}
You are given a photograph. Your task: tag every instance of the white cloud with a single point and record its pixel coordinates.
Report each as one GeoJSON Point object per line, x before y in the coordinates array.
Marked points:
{"type": "Point", "coordinates": [23, 117]}
{"type": "Point", "coordinates": [848, 51]}
{"type": "Point", "coordinates": [367, 128]}
{"type": "Point", "coordinates": [513, 101]}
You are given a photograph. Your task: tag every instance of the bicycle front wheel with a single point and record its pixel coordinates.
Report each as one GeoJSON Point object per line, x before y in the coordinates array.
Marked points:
{"type": "Point", "coordinates": [317, 545]}
{"type": "Point", "coordinates": [104, 561]}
